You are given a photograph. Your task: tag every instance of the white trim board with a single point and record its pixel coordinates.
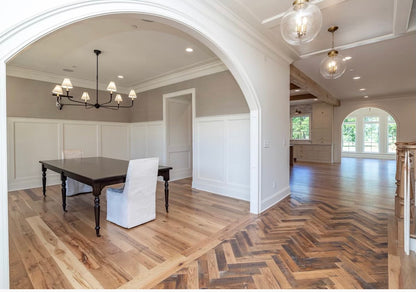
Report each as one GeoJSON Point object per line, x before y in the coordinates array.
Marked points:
{"type": "Point", "coordinates": [166, 96]}
{"type": "Point", "coordinates": [274, 199]}
{"type": "Point", "coordinates": [369, 155]}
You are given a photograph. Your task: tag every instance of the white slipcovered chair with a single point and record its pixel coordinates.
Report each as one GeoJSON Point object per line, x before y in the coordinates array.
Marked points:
{"type": "Point", "coordinates": [135, 203]}
{"type": "Point", "coordinates": [74, 187]}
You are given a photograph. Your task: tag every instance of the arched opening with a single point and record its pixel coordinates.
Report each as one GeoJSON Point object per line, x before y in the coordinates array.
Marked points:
{"type": "Point", "coordinates": [22, 35]}
{"type": "Point", "coordinates": [369, 132]}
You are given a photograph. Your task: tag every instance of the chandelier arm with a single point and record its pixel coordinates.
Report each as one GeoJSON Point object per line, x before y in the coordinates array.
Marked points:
{"type": "Point", "coordinates": [53, 94]}
{"type": "Point", "coordinates": [111, 107]}
{"type": "Point", "coordinates": [118, 106]}
{"type": "Point", "coordinates": [83, 103]}
{"type": "Point", "coordinates": [111, 99]}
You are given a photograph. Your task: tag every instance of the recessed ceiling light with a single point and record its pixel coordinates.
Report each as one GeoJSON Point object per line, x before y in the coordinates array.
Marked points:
{"type": "Point", "coordinates": [347, 58]}
{"type": "Point", "coordinates": [189, 50]}
{"type": "Point", "coordinates": [362, 89]}
{"type": "Point", "coordinates": [365, 96]}
{"type": "Point", "coordinates": [120, 76]}
{"type": "Point", "coordinates": [351, 70]}
{"type": "Point", "coordinates": [297, 90]}
{"type": "Point", "coordinates": [315, 99]}
{"type": "Point", "coordinates": [356, 77]}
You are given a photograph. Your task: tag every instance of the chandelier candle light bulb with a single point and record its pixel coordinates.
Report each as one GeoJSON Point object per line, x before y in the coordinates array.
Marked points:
{"type": "Point", "coordinates": [132, 94]}
{"type": "Point", "coordinates": [112, 87]}
{"type": "Point", "coordinates": [85, 96]}
{"type": "Point", "coordinates": [58, 90]}
{"type": "Point", "coordinates": [301, 23]}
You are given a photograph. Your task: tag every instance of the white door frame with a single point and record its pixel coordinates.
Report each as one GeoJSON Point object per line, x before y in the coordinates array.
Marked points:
{"type": "Point", "coordinates": [165, 132]}
{"type": "Point", "coordinates": [181, 15]}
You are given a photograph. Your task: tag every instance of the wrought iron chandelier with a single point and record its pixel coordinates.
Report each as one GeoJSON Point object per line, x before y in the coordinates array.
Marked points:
{"type": "Point", "coordinates": [68, 100]}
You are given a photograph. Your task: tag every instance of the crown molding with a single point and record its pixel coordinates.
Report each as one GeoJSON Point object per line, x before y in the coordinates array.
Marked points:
{"type": "Point", "coordinates": [183, 74]}
{"type": "Point", "coordinates": [176, 76]}
{"type": "Point", "coordinates": [21, 72]}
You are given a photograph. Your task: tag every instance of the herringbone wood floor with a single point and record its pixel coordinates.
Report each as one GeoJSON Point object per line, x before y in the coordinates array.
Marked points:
{"type": "Point", "coordinates": [330, 233]}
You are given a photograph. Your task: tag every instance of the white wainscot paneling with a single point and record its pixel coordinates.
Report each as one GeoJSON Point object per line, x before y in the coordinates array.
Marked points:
{"type": "Point", "coordinates": [115, 141]}
{"type": "Point", "coordinates": [31, 141]}
{"type": "Point", "coordinates": [154, 147]}
{"type": "Point", "coordinates": [147, 140]}
{"type": "Point", "coordinates": [222, 155]}
{"type": "Point", "coordinates": [83, 137]}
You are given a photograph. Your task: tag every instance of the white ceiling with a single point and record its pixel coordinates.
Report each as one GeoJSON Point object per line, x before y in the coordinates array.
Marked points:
{"type": "Point", "coordinates": [379, 35]}
{"type": "Point", "coordinates": [131, 47]}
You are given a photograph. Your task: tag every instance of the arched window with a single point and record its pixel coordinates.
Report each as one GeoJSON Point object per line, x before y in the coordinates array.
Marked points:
{"type": "Point", "coordinates": [368, 132]}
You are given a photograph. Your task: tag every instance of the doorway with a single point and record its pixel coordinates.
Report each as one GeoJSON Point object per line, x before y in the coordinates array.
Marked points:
{"type": "Point", "coordinates": [178, 120]}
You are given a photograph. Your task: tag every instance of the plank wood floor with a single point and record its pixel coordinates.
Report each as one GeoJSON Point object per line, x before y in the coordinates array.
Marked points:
{"type": "Point", "coordinates": [52, 249]}
{"type": "Point", "coordinates": [330, 233]}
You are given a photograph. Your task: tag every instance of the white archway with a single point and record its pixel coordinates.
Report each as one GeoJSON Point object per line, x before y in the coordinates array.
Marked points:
{"type": "Point", "coordinates": [181, 15]}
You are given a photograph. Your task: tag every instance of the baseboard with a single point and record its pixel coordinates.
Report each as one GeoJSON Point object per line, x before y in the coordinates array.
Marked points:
{"type": "Point", "coordinates": [274, 199]}
{"type": "Point", "coordinates": [241, 193]}
{"type": "Point", "coordinates": [369, 155]}
{"type": "Point", "coordinates": [33, 182]}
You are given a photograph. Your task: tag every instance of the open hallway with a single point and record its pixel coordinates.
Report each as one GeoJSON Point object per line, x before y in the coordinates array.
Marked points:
{"type": "Point", "coordinates": [330, 233]}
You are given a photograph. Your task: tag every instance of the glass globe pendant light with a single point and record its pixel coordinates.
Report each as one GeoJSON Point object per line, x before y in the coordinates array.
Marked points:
{"type": "Point", "coordinates": [301, 23]}
{"type": "Point", "coordinates": [332, 66]}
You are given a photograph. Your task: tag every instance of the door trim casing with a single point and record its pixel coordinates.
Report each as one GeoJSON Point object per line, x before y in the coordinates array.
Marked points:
{"type": "Point", "coordinates": [166, 96]}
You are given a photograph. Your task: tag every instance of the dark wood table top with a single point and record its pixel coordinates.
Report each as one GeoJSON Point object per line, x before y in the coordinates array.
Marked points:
{"type": "Point", "coordinates": [93, 168]}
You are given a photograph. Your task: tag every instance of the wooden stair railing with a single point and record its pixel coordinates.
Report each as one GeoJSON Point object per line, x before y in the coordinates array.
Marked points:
{"type": "Point", "coordinates": [405, 193]}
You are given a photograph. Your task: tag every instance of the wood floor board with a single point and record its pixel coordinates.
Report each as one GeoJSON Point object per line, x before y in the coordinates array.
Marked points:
{"type": "Point", "coordinates": [331, 232]}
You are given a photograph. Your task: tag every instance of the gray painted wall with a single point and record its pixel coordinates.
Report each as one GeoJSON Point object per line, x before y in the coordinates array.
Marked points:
{"type": "Point", "coordinates": [33, 99]}
{"type": "Point", "coordinates": [216, 94]}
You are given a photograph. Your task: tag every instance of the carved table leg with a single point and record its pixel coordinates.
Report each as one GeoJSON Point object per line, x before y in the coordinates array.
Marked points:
{"type": "Point", "coordinates": [167, 196]}
{"type": "Point", "coordinates": [166, 179]}
{"type": "Point", "coordinates": [97, 193]}
{"type": "Point", "coordinates": [63, 180]}
{"type": "Point", "coordinates": [44, 180]}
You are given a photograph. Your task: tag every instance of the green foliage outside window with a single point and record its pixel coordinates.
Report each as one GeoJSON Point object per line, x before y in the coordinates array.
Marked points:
{"type": "Point", "coordinates": [391, 134]}
{"type": "Point", "coordinates": [300, 128]}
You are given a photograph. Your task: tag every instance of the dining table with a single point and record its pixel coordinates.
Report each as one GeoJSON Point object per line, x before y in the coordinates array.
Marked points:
{"type": "Point", "coordinates": [97, 172]}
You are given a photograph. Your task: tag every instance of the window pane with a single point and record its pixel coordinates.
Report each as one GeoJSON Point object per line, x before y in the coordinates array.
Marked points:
{"type": "Point", "coordinates": [371, 137]}
{"type": "Point", "coordinates": [300, 128]}
{"type": "Point", "coordinates": [391, 136]}
{"type": "Point", "coordinates": [350, 120]}
{"type": "Point", "coordinates": [371, 119]}
{"type": "Point", "coordinates": [348, 137]}
{"type": "Point", "coordinates": [390, 119]}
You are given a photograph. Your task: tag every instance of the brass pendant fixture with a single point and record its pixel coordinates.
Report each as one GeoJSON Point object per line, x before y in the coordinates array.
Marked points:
{"type": "Point", "coordinates": [333, 65]}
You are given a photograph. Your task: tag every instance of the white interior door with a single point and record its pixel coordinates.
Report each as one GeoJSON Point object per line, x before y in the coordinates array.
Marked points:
{"type": "Point", "coordinates": [179, 136]}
